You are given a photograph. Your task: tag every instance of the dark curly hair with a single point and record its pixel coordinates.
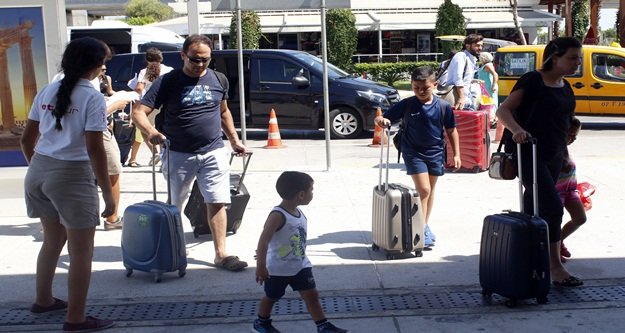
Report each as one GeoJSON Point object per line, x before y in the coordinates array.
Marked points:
{"type": "Point", "coordinates": [153, 57]}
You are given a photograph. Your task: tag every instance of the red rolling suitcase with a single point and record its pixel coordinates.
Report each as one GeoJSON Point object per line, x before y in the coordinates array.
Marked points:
{"type": "Point", "coordinates": [152, 236]}
{"type": "Point", "coordinates": [474, 133]}
{"type": "Point", "coordinates": [514, 251]}
{"type": "Point", "coordinates": [397, 219]}
{"type": "Point", "coordinates": [195, 210]}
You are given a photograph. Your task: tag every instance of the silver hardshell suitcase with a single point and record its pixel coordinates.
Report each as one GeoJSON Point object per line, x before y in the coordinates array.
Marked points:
{"type": "Point", "coordinates": [397, 218]}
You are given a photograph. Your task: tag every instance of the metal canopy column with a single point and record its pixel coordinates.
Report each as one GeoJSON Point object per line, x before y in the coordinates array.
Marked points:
{"type": "Point", "coordinates": [227, 5]}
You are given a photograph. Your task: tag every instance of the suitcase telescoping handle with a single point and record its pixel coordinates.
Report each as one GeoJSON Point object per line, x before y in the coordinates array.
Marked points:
{"type": "Point", "coordinates": [532, 141]}
{"type": "Point", "coordinates": [247, 156]}
{"type": "Point", "coordinates": [385, 134]}
{"type": "Point", "coordinates": [166, 144]}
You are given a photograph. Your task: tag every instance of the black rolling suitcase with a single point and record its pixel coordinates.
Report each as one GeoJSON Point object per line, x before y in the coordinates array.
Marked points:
{"type": "Point", "coordinates": [195, 209]}
{"type": "Point", "coordinates": [514, 251]}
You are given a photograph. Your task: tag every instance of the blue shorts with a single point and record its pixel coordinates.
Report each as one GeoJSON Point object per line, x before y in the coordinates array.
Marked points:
{"type": "Point", "coordinates": [275, 286]}
{"type": "Point", "coordinates": [431, 164]}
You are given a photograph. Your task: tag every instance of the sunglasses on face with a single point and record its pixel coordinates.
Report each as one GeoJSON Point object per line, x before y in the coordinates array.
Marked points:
{"type": "Point", "coordinates": [199, 60]}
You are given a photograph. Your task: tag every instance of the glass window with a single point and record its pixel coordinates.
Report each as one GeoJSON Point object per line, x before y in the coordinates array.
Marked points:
{"type": "Point", "coordinates": [276, 70]}
{"type": "Point", "coordinates": [608, 67]}
{"type": "Point", "coordinates": [514, 63]}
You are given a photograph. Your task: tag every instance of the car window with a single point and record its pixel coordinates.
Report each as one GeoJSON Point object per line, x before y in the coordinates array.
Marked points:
{"type": "Point", "coordinates": [277, 70]}
{"type": "Point", "coordinates": [172, 59]}
{"type": "Point", "coordinates": [119, 68]}
{"type": "Point", "coordinates": [608, 67]}
{"type": "Point", "coordinates": [514, 63]}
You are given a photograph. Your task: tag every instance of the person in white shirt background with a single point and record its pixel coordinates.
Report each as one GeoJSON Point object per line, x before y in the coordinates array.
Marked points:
{"type": "Point", "coordinates": [154, 69]}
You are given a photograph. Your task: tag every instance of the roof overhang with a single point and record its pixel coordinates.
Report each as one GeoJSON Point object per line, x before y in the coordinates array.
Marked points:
{"type": "Point", "coordinates": [310, 21]}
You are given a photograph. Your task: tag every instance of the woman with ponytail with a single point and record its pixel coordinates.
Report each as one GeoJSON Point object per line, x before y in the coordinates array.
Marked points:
{"type": "Point", "coordinates": [62, 143]}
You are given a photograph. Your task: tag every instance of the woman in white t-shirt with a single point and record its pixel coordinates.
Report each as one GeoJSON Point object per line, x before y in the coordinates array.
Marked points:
{"type": "Point", "coordinates": [154, 69]}
{"type": "Point", "coordinates": [63, 145]}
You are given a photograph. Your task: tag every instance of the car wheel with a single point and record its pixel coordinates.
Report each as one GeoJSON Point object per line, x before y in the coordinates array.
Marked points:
{"type": "Point", "coordinates": [345, 124]}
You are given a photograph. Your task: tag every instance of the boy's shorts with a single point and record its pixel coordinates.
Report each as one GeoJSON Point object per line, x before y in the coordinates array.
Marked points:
{"type": "Point", "coordinates": [63, 190]}
{"type": "Point", "coordinates": [275, 286]}
{"type": "Point", "coordinates": [417, 163]}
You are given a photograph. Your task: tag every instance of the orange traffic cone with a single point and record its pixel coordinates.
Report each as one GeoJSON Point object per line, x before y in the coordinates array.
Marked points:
{"type": "Point", "coordinates": [378, 134]}
{"type": "Point", "coordinates": [273, 133]}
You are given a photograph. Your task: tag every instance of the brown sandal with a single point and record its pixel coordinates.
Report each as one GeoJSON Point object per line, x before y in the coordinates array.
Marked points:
{"type": "Point", "coordinates": [231, 263]}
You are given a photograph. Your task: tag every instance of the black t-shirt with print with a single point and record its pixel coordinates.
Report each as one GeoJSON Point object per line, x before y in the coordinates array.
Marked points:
{"type": "Point", "coordinates": [192, 119]}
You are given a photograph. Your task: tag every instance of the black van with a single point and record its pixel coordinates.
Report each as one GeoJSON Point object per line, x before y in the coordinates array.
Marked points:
{"type": "Point", "coordinates": [288, 81]}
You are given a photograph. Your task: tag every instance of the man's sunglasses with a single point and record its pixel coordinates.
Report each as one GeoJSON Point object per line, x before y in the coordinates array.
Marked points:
{"type": "Point", "coordinates": [199, 60]}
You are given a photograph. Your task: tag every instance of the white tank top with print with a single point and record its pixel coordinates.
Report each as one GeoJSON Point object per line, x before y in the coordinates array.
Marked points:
{"type": "Point", "coordinates": [286, 254]}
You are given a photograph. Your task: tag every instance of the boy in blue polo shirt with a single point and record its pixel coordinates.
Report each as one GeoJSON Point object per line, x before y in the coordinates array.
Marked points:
{"type": "Point", "coordinates": [426, 119]}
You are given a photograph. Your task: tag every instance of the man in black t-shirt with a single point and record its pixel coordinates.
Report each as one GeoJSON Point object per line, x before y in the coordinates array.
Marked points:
{"type": "Point", "coordinates": [195, 112]}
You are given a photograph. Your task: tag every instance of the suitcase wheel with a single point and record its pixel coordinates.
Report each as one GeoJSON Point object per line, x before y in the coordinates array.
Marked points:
{"type": "Point", "coordinates": [390, 256]}
{"type": "Point", "coordinates": [418, 253]}
{"type": "Point", "coordinates": [182, 272]}
{"type": "Point", "coordinates": [542, 299]}
{"type": "Point", "coordinates": [511, 303]}
{"type": "Point", "coordinates": [487, 293]}
{"type": "Point", "coordinates": [196, 234]}
{"type": "Point", "coordinates": [158, 277]}
{"type": "Point", "coordinates": [375, 247]}
{"type": "Point", "coordinates": [235, 226]}
{"type": "Point", "coordinates": [128, 272]}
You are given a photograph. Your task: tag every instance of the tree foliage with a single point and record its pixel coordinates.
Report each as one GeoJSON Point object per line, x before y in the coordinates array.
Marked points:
{"type": "Point", "coordinates": [391, 72]}
{"type": "Point", "coordinates": [140, 20]}
{"type": "Point", "coordinates": [450, 21]}
{"type": "Point", "coordinates": [147, 11]}
{"type": "Point", "coordinates": [580, 18]}
{"type": "Point", "coordinates": [342, 37]}
{"type": "Point", "coordinates": [250, 30]}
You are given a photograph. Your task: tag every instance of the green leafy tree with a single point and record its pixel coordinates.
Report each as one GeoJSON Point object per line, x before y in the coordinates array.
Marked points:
{"type": "Point", "coordinates": [450, 21]}
{"type": "Point", "coordinates": [141, 20]}
{"type": "Point", "coordinates": [250, 30]}
{"type": "Point", "coordinates": [147, 11]}
{"type": "Point", "coordinates": [609, 34]}
{"type": "Point", "coordinates": [580, 18]}
{"type": "Point", "coordinates": [342, 37]}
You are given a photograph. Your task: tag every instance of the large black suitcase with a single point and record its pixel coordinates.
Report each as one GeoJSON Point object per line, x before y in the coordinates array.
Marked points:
{"type": "Point", "coordinates": [514, 251]}
{"type": "Point", "coordinates": [195, 209]}
{"type": "Point", "coordinates": [152, 236]}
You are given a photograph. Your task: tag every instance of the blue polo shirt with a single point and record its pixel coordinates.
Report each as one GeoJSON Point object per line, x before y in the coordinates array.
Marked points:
{"type": "Point", "coordinates": [426, 123]}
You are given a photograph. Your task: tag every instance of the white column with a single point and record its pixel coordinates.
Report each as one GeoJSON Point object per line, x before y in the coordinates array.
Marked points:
{"type": "Point", "coordinates": [193, 17]}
